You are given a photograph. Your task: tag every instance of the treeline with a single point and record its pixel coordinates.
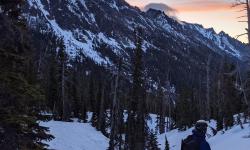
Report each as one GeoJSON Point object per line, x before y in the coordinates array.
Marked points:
{"type": "Point", "coordinates": [37, 75]}
{"type": "Point", "coordinates": [121, 103]}
{"type": "Point", "coordinates": [228, 96]}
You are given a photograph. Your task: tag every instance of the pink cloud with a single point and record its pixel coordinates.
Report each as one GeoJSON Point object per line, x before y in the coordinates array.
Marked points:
{"type": "Point", "coordinates": [206, 6]}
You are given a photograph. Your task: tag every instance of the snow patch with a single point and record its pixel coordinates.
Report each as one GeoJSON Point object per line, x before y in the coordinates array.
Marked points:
{"type": "Point", "coordinates": [220, 41]}
{"type": "Point", "coordinates": [71, 43]}
{"type": "Point", "coordinates": [75, 136]}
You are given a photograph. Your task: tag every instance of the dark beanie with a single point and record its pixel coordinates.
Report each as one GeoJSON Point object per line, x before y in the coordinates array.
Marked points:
{"type": "Point", "coordinates": [201, 126]}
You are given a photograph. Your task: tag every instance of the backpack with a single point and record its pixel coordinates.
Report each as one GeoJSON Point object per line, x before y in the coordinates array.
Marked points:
{"type": "Point", "coordinates": [190, 144]}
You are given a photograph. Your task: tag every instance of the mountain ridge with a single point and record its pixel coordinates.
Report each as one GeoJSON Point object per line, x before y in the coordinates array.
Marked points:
{"type": "Point", "coordinates": [104, 30]}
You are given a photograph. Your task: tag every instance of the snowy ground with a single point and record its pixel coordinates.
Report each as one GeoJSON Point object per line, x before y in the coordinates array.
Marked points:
{"type": "Point", "coordinates": [82, 136]}
{"type": "Point", "coordinates": [232, 139]}
{"type": "Point", "coordinates": [75, 136]}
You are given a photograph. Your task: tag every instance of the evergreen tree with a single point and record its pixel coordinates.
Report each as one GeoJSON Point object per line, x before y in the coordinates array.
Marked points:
{"type": "Point", "coordinates": [75, 86]}
{"type": "Point", "coordinates": [52, 90]}
{"type": "Point", "coordinates": [116, 114]}
{"type": "Point", "coordinates": [162, 110]}
{"type": "Point", "coordinates": [64, 110]}
{"type": "Point", "coordinates": [102, 112]}
{"type": "Point", "coordinates": [184, 109]}
{"type": "Point", "coordinates": [136, 123]}
{"type": "Point", "coordinates": [97, 106]}
{"type": "Point", "coordinates": [166, 144]}
{"type": "Point", "coordinates": [91, 94]}
{"type": "Point", "coordinates": [246, 96]}
{"type": "Point", "coordinates": [152, 141]}
{"type": "Point", "coordinates": [219, 125]}
{"type": "Point", "coordinates": [231, 100]}
{"type": "Point", "coordinates": [82, 89]}
{"type": "Point", "coordinates": [11, 8]}
{"type": "Point", "coordinates": [20, 95]}
{"type": "Point", "coordinates": [220, 99]}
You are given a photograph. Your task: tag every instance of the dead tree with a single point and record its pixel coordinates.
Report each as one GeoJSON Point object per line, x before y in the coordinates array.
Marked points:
{"type": "Point", "coordinates": [245, 5]}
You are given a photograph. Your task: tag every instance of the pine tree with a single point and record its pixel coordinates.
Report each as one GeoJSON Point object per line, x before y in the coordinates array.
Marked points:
{"type": "Point", "coordinates": [136, 124]}
{"type": "Point", "coordinates": [152, 141]}
{"type": "Point", "coordinates": [219, 125]}
{"type": "Point", "coordinates": [97, 104]}
{"type": "Point", "coordinates": [184, 109]}
{"type": "Point", "coordinates": [91, 94]}
{"type": "Point", "coordinates": [231, 100]}
{"type": "Point", "coordinates": [75, 86]}
{"type": "Point", "coordinates": [116, 114]}
{"type": "Point", "coordinates": [166, 144]}
{"type": "Point", "coordinates": [52, 90]}
{"type": "Point", "coordinates": [82, 89]}
{"type": "Point", "coordinates": [11, 8]}
{"type": "Point", "coordinates": [62, 68]}
{"type": "Point", "coordinates": [246, 96]}
{"type": "Point", "coordinates": [162, 110]}
{"type": "Point", "coordinates": [102, 112]}
{"type": "Point", "coordinates": [20, 94]}
{"type": "Point", "coordinates": [220, 99]}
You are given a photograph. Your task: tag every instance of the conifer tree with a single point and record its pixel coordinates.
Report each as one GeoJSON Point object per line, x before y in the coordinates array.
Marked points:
{"type": "Point", "coordinates": [82, 89]}
{"type": "Point", "coordinates": [219, 125]}
{"type": "Point", "coordinates": [11, 8]}
{"type": "Point", "coordinates": [20, 94]}
{"type": "Point", "coordinates": [162, 110]}
{"type": "Point", "coordinates": [62, 68]}
{"type": "Point", "coordinates": [220, 99]}
{"type": "Point", "coordinates": [52, 90]}
{"type": "Point", "coordinates": [183, 107]}
{"type": "Point", "coordinates": [152, 141]}
{"type": "Point", "coordinates": [75, 86]}
{"type": "Point", "coordinates": [136, 123]}
{"type": "Point", "coordinates": [231, 100]}
{"type": "Point", "coordinates": [97, 106]}
{"type": "Point", "coordinates": [166, 144]}
{"type": "Point", "coordinates": [116, 114]}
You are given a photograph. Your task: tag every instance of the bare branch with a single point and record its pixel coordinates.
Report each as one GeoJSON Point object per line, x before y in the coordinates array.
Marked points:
{"type": "Point", "coordinates": [241, 17]}
{"type": "Point", "coordinates": [240, 35]}
{"type": "Point", "coordinates": [239, 3]}
{"type": "Point", "coordinates": [241, 10]}
{"type": "Point", "coordinates": [242, 21]}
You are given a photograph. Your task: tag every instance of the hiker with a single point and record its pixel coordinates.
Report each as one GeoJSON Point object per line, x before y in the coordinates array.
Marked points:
{"type": "Point", "coordinates": [197, 141]}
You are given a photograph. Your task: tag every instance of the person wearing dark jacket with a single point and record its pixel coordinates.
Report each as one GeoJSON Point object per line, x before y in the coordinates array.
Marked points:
{"type": "Point", "coordinates": [197, 141]}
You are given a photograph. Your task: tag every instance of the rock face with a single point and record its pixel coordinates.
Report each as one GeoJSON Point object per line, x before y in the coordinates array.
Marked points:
{"type": "Point", "coordinates": [104, 30]}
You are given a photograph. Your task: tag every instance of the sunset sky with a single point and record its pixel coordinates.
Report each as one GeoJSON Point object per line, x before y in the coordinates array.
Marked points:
{"type": "Point", "coordinates": [210, 13]}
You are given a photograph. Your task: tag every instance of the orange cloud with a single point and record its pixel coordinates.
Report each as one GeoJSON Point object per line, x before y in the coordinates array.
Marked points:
{"type": "Point", "coordinates": [203, 6]}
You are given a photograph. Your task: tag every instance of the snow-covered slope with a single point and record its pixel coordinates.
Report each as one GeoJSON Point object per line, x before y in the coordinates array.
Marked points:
{"type": "Point", "coordinates": [82, 136]}
{"type": "Point", "coordinates": [85, 24]}
{"type": "Point", "coordinates": [75, 136]}
{"type": "Point", "coordinates": [233, 139]}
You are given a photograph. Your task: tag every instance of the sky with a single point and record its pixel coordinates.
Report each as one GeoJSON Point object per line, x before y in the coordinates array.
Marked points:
{"type": "Point", "coordinates": [218, 14]}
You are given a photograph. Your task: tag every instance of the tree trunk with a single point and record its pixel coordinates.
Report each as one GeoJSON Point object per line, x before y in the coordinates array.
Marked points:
{"type": "Point", "coordinates": [114, 115]}
{"type": "Point", "coordinates": [248, 21]}
{"type": "Point", "coordinates": [101, 116]}
{"type": "Point", "coordinates": [208, 112]}
{"type": "Point", "coordinates": [63, 91]}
